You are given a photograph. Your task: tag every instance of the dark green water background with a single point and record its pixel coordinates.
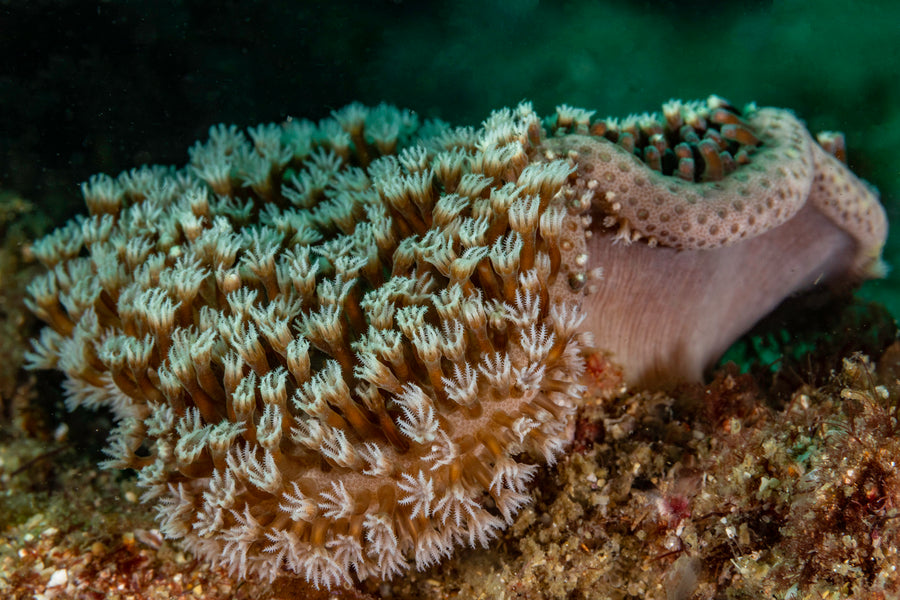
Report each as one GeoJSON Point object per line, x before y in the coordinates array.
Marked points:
{"type": "Point", "coordinates": [90, 87]}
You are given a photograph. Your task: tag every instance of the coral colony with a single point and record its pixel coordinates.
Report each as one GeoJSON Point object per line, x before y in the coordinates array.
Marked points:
{"type": "Point", "coordinates": [341, 349]}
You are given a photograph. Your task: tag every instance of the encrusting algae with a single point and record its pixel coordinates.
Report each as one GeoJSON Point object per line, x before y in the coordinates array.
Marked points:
{"type": "Point", "coordinates": [341, 350]}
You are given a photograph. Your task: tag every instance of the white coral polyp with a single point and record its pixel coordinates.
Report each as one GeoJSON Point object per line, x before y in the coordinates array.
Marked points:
{"type": "Point", "coordinates": [328, 337]}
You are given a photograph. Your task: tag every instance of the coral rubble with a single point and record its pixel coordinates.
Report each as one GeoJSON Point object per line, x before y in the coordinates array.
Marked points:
{"type": "Point", "coordinates": [19, 223]}
{"type": "Point", "coordinates": [341, 350]}
{"type": "Point", "coordinates": [792, 502]}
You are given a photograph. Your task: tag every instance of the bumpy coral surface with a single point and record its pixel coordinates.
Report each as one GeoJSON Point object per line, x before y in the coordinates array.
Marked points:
{"type": "Point", "coordinates": [340, 350]}
{"type": "Point", "coordinates": [732, 211]}
{"type": "Point", "coordinates": [693, 193]}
